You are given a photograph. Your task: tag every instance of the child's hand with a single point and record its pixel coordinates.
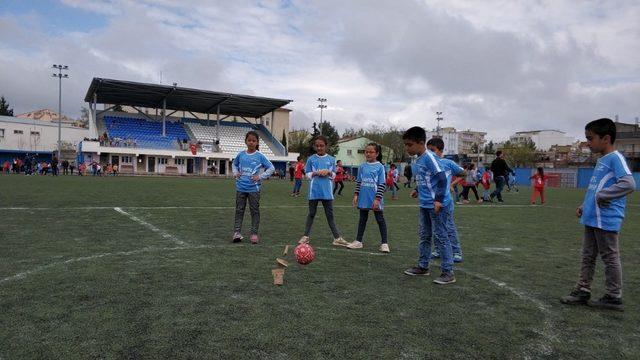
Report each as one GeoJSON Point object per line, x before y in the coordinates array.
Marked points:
{"type": "Point", "coordinates": [414, 194]}
{"type": "Point", "coordinates": [354, 202]}
{"type": "Point", "coordinates": [602, 203]}
{"type": "Point", "coordinates": [237, 175]}
{"type": "Point", "coordinates": [255, 178]}
{"type": "Point", "coordinates": [579, 211]}
{"type": "Point", "coordinates": [376, 204]}
{"type": "Point", "coordinates": [437, 205]}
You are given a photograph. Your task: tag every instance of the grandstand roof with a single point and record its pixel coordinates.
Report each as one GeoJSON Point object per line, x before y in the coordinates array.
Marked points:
{"type": "Point", "coordinates": [130, 93]}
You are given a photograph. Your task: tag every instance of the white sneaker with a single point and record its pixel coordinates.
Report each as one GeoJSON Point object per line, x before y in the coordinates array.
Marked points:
{"type": "Point", "coordinates": [340, 242]}
{"type": "Point", "coordinates": [303, 240]}
{"type": "Point", "coordinates": [384, 248]}
{"type": "Point", "coordinates": [355, 245]}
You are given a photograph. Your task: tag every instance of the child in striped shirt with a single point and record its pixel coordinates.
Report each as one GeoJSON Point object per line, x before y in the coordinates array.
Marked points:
{"type": "Point", "coordinates": [370, 187]}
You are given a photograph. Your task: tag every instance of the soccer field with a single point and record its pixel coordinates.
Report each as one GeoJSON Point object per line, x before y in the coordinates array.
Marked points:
{"type": "Point", "coordinates": [144, 268]}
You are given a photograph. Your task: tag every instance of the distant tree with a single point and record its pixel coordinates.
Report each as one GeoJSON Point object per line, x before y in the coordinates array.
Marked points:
{"type": "Point", "coordinates": [299, 142]}
{"type": "Point", "coordinates": [520, 154]}
{"type": "Point", "coordinates": [489, 148]}
{"type": "Point", "coordinates": [352, 133]}
{"type": "Point", "coordinates": [284, 139]}
{"type": "Point", "coordinates": [4, 107]}
{"type": "Point", "coordinates": [474, 148]}
{"type": "Point", "coordinates": [390, 137]}
{"type": "Point", "coordinates": [332, 136]}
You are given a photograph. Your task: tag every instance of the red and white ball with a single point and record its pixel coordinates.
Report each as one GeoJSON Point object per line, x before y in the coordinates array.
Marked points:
{"type": "Point", "coordinates": [304, 254]}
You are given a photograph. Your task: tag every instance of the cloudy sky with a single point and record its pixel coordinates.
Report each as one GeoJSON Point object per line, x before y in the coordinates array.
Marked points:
{"type": "Point", "coordinates": [496, 66]}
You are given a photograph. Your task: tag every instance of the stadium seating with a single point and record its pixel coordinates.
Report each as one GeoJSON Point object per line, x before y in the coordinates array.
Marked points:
{"type": "Point", "coordinates": [231, 136]}
{"type": "Point", "coordinates": [144, 133]}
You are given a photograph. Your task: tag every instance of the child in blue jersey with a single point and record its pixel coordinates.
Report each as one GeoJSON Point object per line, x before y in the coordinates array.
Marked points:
{"type": "Point", "coordinates": [320, 170]}
{"type": "Point", "coordinates": [250, 167]}
{"type": "Point", "coordinates": [451, 169]}
{"type": "Point", "coordinates": [602, 213]}
{"type": "Point", "coordinates": [431, 190]}
{"type": "Point", "coordinates": [370, 187]}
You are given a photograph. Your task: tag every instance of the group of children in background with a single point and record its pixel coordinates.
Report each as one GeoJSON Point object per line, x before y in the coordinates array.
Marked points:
{"type": "Point", "coordinates": [602, 211]}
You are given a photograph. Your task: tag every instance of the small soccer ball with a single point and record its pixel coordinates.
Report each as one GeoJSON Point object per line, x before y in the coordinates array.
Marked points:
{"type": "Point", "coordinates": [304, 254]}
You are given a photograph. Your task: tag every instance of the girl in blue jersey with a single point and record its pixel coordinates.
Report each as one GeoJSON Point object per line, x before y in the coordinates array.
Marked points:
{"type": "Point", "coordinates": [370, 187]}
{"type": "Point", "coordinates": [320, 170]}
{"type": "Point", "coordinates": [250, 167]}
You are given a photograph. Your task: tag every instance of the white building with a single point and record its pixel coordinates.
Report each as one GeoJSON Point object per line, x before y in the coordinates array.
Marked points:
{"type": "Point", "coordinates": [458, 142]}
{"type": "Point", "coordinates": [543, 139]}
{"type": "Point", "coordinates": [23, 135]}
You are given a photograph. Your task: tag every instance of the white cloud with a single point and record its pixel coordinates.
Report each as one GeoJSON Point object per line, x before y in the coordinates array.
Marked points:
{"type": "Point", "coordinates": [499, 66]}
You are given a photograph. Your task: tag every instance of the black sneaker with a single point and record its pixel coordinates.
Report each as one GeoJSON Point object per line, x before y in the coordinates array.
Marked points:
{"type": "Point", "coordinates": [607, 302]}
{"type": "Point", "coordinates": [237, 237]}
{"type": "Point", "coordinates": [500, 200]}
{"type": "Point", "coordinates": [417, 271]}
{"type": "Point", "coordinates": [577, 297]}
{"type": "Point", "coordinates": [445, 278]}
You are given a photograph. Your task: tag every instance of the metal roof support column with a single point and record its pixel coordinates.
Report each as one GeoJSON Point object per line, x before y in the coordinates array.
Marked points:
{"type": "Point", "coordinates": [93, 124]}
{"type": "Point", "coordinates": [164, 117]}
{"type": "Point", "coordinates": [218, 125]}
{"type": "Point", "coordinates": [272, 113]}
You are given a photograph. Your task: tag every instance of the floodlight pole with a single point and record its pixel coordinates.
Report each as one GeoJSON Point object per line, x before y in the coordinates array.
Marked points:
{"type": "Point", "coordinates": [322, 106]}
{"type": "Point", "coordinates": [438, 119]}
{"type": "Point", "coordinates": [60, 75]}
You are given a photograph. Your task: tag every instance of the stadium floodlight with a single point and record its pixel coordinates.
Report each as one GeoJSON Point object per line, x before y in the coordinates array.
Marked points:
{"type": "Point", "coordinates": [60, 76]}
{"type": "Point", "coordinates": [438, 119]}
{"type": "Point", "coordinates": [322, 106]}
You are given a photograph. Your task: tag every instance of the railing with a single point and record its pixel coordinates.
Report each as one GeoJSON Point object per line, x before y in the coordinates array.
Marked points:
{"type": "Point", "coordinates": [273, 140]}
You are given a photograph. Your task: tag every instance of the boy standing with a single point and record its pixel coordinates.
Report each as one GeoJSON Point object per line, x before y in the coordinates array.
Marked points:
{"type": "Point", "coordinates": [602, 213]}
{"type": "Point", "coordinates": [451, 169]}
{"type": "Point", "coordinates": [431, 187]}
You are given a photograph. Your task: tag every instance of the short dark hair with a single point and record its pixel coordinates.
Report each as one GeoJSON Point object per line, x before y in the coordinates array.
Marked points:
{"type": "Point", "coordinates": [321, 138]}
{"type": "Point", "coordinates": [299, 158]}
{"type": "Point", "coordinates": [498, 153]}
{"type": "Point", "coordinates": [603, 127]}
{"type": "Point", "coordinates": [416, 134]}
{"type": "Point", "coordinates": [437, 142]}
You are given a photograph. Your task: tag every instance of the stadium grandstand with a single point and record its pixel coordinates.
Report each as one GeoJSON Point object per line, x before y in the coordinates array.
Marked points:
{"type": "Point", "coordinates": [160, 129]}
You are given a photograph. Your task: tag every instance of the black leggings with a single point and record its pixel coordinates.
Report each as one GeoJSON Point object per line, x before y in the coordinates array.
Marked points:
{"type": "Point", "coordinates": [335, 186]}
{"type": "Point", "coordinates": [328, 212]}
{"type": "Point", "coordinates": [465, 192]}
{"type": "Point", "coordinates": [364, 216]}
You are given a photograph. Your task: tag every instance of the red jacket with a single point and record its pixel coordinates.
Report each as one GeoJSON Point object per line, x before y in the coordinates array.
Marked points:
{"type": "Point", "coordinates": [339, 174]}
{"type": "Point", "coordinates": [539, 181]}
{"type": "Point", "coordinates": [299, 170]}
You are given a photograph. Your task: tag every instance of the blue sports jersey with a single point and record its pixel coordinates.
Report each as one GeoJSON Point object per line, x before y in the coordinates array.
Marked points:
{"type": "Point", "coordinates": [370, 176]}
{"type": "Point", "coordinates": [320, 187]}
{"type": "Point", "coordinates": [608, 170]}
{"type": "Point", "coordinates": [450, 168]}
{"type": "Point", "coordinates": [248, 165]}
{"type": "Point", "coordinates": [425, 169]}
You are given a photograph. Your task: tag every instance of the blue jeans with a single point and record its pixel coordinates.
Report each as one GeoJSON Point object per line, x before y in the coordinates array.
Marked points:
{"type": "Point", "coordinates": [499, 187]}
{"type": "Point", "coordinates": [452, 232]}
{"type": "Point", "coordinates": [434, 225]}
{"type": "Point", "coordinates": [297, 185]}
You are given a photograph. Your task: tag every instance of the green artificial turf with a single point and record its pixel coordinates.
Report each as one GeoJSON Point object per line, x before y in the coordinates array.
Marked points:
{"type": "Point", "coordinates": [161, 279]}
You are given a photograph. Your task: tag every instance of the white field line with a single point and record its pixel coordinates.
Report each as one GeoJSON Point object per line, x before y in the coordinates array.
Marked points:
{"type": "Point", "coordinates": [151, 227]}
{"type": "Point", "coordinates": [24, 274]}
{"type": "Point", "coordinates": [496, 250]}
{"type": "Point", "coordinates": [268, 207]}
{"type": "Point", "coordinates": [548, 331]}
